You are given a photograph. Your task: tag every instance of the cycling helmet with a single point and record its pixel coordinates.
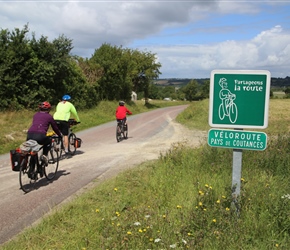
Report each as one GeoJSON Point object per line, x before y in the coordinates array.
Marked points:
{"type": "Point", "coordinates": [45, 106]}
{"type": "Point", "coordinates": [121, 103]}
{"type": "Point", "coordinates": [66, 98]}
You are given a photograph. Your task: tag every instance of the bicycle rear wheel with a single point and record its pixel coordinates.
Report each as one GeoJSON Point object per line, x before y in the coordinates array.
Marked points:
{"type": "Point", "coordinates": [118, 133]}
{"type": "Point", "coordinates": [27, 174]}
{"type": "Point", "coordinates": [71, 143]}
{"type": "Point", "coordinates": [53, 160]}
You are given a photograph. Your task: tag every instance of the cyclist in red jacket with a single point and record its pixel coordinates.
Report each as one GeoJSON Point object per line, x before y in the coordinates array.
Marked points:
{"type": "Point", "coordinates": [121, 113]}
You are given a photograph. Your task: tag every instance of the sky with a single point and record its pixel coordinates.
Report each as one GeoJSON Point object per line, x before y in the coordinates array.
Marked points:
{"type": "Point", "coordinates": [190, 38]}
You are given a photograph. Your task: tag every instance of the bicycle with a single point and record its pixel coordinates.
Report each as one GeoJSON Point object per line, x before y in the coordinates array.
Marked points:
{"type": "Point", "coordinates": [121, 130]}
{"type": "Point", "coordinates": [229, 110]}
{"type": "Point", "coordinates": [32, 168]}
{"type": "Point", "coordinates": [72, 140]}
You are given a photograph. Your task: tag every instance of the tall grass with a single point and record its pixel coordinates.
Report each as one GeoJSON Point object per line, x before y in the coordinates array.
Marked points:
{"type": "Point", "coordinates": [182, 201]}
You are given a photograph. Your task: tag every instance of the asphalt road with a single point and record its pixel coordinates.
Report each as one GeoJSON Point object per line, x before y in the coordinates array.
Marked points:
{"type": "Point", "coordinates": [100, 157]}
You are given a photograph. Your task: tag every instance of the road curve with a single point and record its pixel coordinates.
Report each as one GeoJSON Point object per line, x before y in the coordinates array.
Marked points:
{"type": "Point", "coordinates": [99, 157]}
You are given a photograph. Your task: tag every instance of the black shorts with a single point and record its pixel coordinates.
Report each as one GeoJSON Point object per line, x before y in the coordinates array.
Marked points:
{"type": "Point", "coordinates": [63, 126]}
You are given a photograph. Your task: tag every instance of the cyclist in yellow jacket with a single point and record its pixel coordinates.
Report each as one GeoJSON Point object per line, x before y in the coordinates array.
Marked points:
{"type": "Point", "coordinates": [62, 114]}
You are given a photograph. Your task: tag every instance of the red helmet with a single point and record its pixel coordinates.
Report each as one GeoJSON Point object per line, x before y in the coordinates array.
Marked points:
{"type": "Point", "coordinates": [45, 106]}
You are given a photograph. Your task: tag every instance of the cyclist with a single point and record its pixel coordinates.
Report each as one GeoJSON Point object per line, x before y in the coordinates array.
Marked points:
{"type": "Point", "coordinates": [121, 113]}
{"type": "Point", "coordinates": [63, 111]}
{"type": "Point", "coordinates": [225, 94]}
{"type": "Point", "coordinates": [40, 124]}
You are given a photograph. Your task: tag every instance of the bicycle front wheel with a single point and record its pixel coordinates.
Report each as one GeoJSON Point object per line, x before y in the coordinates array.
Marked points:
{"type": "Point", "coordinates": [118, 133]}
{"type": "Point", "coordinates": [126, 131]}
{"type": "Point", "coordinates": [72, 143]}
{"type": "Point", "coordinates": [26, 174]}
{"type": "Point", "coordinates": [52, 166]}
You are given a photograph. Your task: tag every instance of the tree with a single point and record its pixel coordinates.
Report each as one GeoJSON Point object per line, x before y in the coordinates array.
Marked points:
{"type": "Point", "coordinates": [191, 90]}
{"type": "Point", "coordinates": [124, 71]}
{"type": "Point", "coordinates": [32, 71]}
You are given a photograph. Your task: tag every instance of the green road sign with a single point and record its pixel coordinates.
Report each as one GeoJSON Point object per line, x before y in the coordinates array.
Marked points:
{"type": "Point", "coordinates": [239, 139]}
{"type": "Point", "coordinates": [239, 98]}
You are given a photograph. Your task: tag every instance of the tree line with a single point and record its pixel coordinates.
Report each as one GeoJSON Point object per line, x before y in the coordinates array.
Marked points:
{"type": "Point", "coordinates": [33, 70]}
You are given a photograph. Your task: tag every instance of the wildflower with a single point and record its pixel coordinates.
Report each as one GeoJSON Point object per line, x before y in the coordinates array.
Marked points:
{"type": "Point", "coordinates": [137, 223]}
{"type": "Point", "coordinates": [157, 240]}
{"type": "Point", "coordinates": [214, 220]}
{"type": "Point", "coordinates": [276, 245]}
{"type": "Point", "coordinates": [178, 206]}
{"type": "Point", "coordinates": [200, 192]}
{"type": "Point", "coordinates": [147, 216]}
{"type": "Point", "coordinates": [97, 210]}
{"type": "Point", "coordinates": [118, 214]}
{"type": "Point", "coordinates": [189, 234]}
{"type": "Point", "coordinates": [210, 187]}
{"type": "Point", "coordinates": [224, 197]}
{"type": "Point", "coordinates": [129, 233]}
{"type": "Point", "coordinates": [206, 185]}
{"type": "Point", "coordinates": [144, 230]}
{"type": "Point", "coordinates": [227, 209]}
{"type": "Point", "coordinates": [164, 216]}
{"type": "Point", "coordinates": [200, 203]}
{"type": "Point", "coordinates": [173, 246]}
{"type": "Point", "coordinates": [204, 209]}
{"type": "Point", "coordinates": [184, 241]}
{"type": "Point", "coordinates": [242, 179]}
{"type": "Point", "coordinates": [118, 224]}
{"type": "Point", "coordinates": [116, 189]}
{"type": "Point", "coordinates": [148, 206]}
{"type": "Point", "coordinates": [140, 230]}
{"type": "Point", "coordinates": [286, 196]}
{"type": "Point", "coordinates": [218, 201]}
{"type": "Point", "coordinates": [151, 239]}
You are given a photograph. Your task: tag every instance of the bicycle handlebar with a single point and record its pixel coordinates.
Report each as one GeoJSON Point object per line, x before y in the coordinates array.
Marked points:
{"type": "Point", "coordinates": [73, 122]}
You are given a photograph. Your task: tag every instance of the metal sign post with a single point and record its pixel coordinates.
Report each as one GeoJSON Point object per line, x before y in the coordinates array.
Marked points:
{"type": "Point", "coordinates": [236, 178]}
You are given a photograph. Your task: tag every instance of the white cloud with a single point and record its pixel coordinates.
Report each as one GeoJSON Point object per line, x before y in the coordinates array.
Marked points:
{"type": "Point", "coordinates": [92, 23]}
